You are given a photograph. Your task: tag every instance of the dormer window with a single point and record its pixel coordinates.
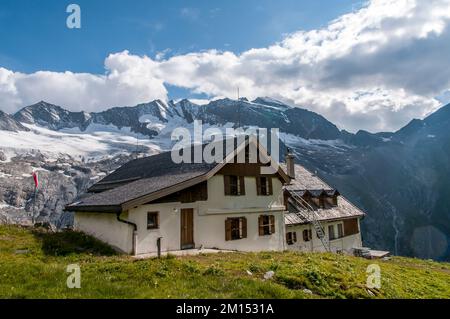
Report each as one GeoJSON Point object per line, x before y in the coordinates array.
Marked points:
{"type": "Point", "coordinates": [332, 200]}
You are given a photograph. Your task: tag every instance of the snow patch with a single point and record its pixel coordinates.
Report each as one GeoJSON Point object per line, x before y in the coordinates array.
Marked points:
{"type": "Point", "coordinates": [95, 143]}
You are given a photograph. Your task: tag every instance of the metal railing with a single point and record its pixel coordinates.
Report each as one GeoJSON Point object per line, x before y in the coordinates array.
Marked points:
{"type": "Point", "coordinates": [311, 216]}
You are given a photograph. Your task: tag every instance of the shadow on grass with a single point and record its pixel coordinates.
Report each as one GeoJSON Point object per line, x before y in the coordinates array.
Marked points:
{"type": "Point", "coordinates": [69, 242]}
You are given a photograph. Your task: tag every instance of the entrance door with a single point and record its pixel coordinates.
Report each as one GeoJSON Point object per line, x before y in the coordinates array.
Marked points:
{"type": "Point", "coordinates": [187, 228]}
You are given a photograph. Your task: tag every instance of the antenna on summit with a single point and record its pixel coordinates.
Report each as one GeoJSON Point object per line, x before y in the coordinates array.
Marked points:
{"type": "Point", "coordinates": [239, 109]}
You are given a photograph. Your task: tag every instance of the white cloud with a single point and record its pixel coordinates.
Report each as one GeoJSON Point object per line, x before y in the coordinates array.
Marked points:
{"type": "Point", "coordinates": [375, 68]}
{"type": "Point", "coordinates": [129, 80]}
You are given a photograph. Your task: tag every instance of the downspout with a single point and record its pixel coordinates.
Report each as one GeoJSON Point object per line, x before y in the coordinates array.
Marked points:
{"type": "Point", "coordinates": [134, 239]}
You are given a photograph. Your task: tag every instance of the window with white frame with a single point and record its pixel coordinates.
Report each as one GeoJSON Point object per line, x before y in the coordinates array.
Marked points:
{"type": "Point", "coordinates": [340, 230]}
{"type": "Point", "coordinates": [331, 233]}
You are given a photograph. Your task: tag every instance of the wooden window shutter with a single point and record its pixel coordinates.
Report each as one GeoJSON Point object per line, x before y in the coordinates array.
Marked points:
{"type": "Point", "coordinates": [226, 184]}
{"type": "Point", "coordinates": [244, 227]}
{"type": "Point", "coordinates": [270, 185]}
{"type": "Point", "coordinates": [258, 185]}
{"type": "Point", "coordinates": [272, 224]}
{"type": "Point", "coordinates": [294, 236]}
{"type": "Point", "coordinates": [351, 226]}
{"type": "Point", "coordinates": [227, 229]}
{"type": "Point", "coordinates": [260, 225]}
{"type": "Point", "coordinates": [242, 185]}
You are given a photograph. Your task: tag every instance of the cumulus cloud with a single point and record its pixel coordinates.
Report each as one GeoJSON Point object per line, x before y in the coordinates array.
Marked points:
{"type": "Point", "coordinates": [129, 80]}
{"type": "Point", "coordinates": [375, 69]}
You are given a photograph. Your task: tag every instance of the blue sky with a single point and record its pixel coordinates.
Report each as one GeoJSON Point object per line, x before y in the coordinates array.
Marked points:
{"type": "Point", "coordinates": [35, 37]}
{"type": "Point", "coordinates": [372, 64]}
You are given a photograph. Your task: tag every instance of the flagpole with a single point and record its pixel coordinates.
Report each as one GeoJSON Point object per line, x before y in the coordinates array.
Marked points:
{"type": "Point", "coordinates": [34, 205]}
{"type": "Point", "coordinates": [33, 214]}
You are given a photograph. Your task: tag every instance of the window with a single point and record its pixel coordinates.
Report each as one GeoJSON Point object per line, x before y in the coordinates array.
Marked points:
{"type": "Point", "coordinates": [266, 225]}
{"type": "Point", "coordinates": [332, 201]}
{"type": "Point", "coordinates": [152, 220]}
{"type": "Point", "coordinates": [291, 237]}
{"type": "Point", "coordinates": [235, 228]}
{"type": "Point", "coordinates": [340, 229]}
{"type": "Point", "coordinates": [331, 234]}
{"type": "Point", "coordinates": [307, 235]}
{"type": "Point", "coordinates": [264, 185]}
{"type": "Point", "coordinates": [234, 185]}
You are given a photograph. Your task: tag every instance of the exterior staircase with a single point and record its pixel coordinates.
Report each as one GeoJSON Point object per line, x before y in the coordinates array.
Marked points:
{"type": "Point", "coordinates": [306, 211]}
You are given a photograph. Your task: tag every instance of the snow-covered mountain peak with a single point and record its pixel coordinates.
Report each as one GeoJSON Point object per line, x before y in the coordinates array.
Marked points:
{"type": "Point", "coordinates": [50, 115]}
{"type": "Point", "coordinates": [268, 101]}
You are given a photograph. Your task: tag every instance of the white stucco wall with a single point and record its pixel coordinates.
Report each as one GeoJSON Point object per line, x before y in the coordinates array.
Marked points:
{"type": "Point", "coordinates": [106, 228]}
{"type": "Point", "coordinates": [209, 221]}
{"type": "Point", "coordinates": [345, 243]}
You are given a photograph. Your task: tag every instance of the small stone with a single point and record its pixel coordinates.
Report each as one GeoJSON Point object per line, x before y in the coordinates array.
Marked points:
{"type": "Point", "coordinates": [307, 291]}
{"type": "Point", "coordinates": [249, 273]}
{"type": "Point", "coordinates": [269, 274]}
{"type": "Point", "coordinates": [22, 251]}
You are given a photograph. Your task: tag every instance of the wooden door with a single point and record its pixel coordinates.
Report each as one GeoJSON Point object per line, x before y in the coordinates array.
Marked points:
{"type": "Point", "coordinates": [187, 228]}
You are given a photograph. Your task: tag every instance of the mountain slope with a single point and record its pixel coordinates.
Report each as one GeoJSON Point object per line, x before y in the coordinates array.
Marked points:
{"type": "Point", "coordinates": [51, 116]}
{"type": "Point", "coordinates": [8, 123]}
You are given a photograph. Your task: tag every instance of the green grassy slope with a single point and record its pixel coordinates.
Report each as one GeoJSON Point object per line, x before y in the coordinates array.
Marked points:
{"type": "Point", "coordinates": [33, 265]}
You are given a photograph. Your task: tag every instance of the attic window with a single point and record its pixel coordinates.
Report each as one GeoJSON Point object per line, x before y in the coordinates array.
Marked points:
{"type": "Point", "coordinates": [331, 200]}
{"type": "Point", "coordinates": [234, 185]}
{"type": "Point", "coordinates": [152, 220]}
{"type": "Point", "coordinates": [264, 185]}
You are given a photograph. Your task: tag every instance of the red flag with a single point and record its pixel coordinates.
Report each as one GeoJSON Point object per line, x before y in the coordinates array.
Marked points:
{"type": "Point", "coordinates": [36, 181]}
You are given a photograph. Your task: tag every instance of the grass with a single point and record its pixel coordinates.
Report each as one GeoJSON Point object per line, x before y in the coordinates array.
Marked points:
{"type": "Point", "coordinates": [33, 265]}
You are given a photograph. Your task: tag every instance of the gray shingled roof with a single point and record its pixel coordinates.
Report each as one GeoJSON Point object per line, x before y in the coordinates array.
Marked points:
{"type": "Point", "coordinates": [305, 180]}
{"type": "Point", "coordinates": [138, 178]}
{"type": "Point", "coordinates": [155, 167]}
{"type": "Point", "coordinates": [133, 190]}
{"type": "Point", "coordinates": [141, 177]}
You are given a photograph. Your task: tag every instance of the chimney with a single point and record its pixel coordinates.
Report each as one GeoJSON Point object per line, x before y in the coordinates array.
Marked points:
{"type": "Point", "coordinates": [290, 164]}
